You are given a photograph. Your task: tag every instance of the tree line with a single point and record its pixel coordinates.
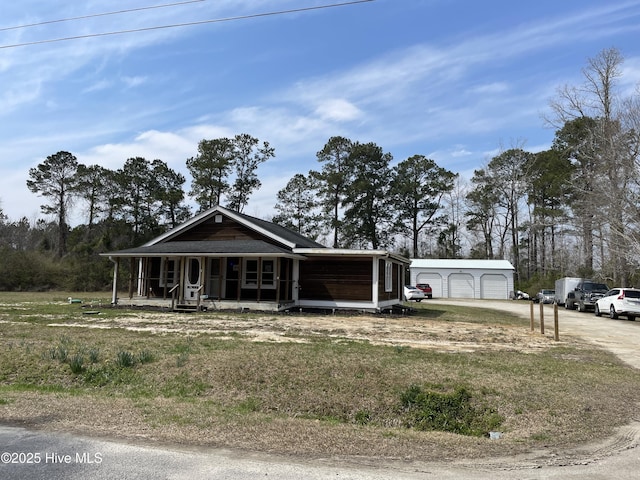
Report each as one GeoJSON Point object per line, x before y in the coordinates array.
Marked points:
{"type": "Point", "coordinates": [570, 210]}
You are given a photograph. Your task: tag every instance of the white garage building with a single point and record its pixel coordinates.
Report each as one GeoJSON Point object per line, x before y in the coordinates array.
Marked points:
{"type": "Point", "coordinates": [464, 278]}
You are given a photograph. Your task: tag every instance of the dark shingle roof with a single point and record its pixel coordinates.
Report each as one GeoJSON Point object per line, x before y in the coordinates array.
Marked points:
{"type": "Point", "coordinates": [282, 232]}
{"type": "Point", "coordinates": [205, 247]}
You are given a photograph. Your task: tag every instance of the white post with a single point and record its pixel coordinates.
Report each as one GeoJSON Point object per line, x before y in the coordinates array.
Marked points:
{"type": "Point", "coordinates": [114, 293]}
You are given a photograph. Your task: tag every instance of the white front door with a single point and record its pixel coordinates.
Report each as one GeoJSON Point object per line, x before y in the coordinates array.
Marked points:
{"type": "Point", "coordinates": [192, 280]}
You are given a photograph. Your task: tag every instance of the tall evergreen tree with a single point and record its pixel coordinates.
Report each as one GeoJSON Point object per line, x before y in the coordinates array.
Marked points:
{"type": "Point", "coordinates": [248, 154]}
{"type": "Point", "coordinates": [169, 193]}
{"type": "Point", "coordinates": [369, 215]}
{"type": "Point", "coordinates": [210, 171]}
{"type": "Point", "coordinates": [333, 181]}
{"type": "Point", "coordinates": [419, 185]}
{"type": "Point", "coordinates": [91, 187]}
{"type": "Point", "coordinates": [297, 207]}
{"type": "Point", "coordinates": [55, 179]}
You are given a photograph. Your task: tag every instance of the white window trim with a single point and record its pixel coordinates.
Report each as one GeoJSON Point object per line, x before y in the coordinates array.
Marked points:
{"type": "Point", "coordinates": [265, 263]}
{"type": "Point", "coordinates": [388, 276]}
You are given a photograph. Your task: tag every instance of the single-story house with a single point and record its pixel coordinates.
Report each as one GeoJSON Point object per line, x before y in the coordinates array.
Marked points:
{"type": "Point", "coordinates": [222, 259]}
{"type": "Point", "coordinates": [457, 278]}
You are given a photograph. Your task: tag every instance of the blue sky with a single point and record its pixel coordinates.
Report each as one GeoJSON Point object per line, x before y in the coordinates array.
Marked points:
{"type": "Point", "coordinates": [456, 81]}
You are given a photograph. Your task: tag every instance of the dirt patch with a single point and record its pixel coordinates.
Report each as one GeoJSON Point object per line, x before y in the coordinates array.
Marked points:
{"type": "Point", "coordinates": [161, 420]}
{"type": "Point", "coordinates": [401, 331]}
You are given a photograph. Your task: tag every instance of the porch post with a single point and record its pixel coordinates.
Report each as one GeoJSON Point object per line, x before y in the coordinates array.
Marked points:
{"type": "Point", "coordinates": [239, 290]}
{"type": "Point", "coordinates": [132, 273]}
{"type": "Point", "coordinates": [203, 279]}
{"type": "Point", "coordinates": [164, 261]}
{"type": "Point", "coordinates": [114, 292]}
{"type": "Point", "coordinates": [259, 279]}
{"type": "Point", "coordinates": [182, 280]}
{"type": "Point", "coordinates": [222, 274]}
{"type": "Point", "coordinates": [295, 282]}
{"type": "Point", "coordinates": [277, 279]}
{"type": "Point", "coordinates": [375, 285]}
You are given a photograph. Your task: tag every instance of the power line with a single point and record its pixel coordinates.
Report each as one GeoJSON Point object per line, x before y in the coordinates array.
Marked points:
{"type": "Point", "coordinates": [186, 24]}
{"type": "Point", "coordinates": [94, 15]}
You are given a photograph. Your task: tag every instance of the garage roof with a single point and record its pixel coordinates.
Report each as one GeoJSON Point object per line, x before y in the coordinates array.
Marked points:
{"type": "Point", "coordinates": [464, 264]}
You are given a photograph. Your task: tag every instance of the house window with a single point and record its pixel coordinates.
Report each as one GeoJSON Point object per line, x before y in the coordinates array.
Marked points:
{"type": "Point", "coordinates": [259, 273]}
{"type": "Point", "coordinates": [388, 276]}
{"type": "Point", "coordinates": [168, 272]}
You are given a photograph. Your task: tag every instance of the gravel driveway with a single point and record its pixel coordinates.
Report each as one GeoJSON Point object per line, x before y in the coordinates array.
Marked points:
{"type": "Point", "coordinates": [622, 337]}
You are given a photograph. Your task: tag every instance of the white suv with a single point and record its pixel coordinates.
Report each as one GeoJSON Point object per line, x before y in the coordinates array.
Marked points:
{"type": "Point", "coordinates": [620, 301]}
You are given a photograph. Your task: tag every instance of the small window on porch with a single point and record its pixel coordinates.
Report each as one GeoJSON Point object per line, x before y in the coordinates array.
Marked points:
{"type": "Point", "coordinates": [259, 273]}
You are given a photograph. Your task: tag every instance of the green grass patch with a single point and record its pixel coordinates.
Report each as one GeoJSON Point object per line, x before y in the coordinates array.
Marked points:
{"type": "Point", "coordinates": [553, 396]}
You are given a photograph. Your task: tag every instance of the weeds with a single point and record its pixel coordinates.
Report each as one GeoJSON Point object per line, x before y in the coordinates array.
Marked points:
{"type": "Point", "coordinates": [76, 362]}
{"type": "Point", "coordinates": [390, 396]}
{"type": "Point", "coordinates": [447, 411]}
{"type": "Point", "coordinates": [125, 359]}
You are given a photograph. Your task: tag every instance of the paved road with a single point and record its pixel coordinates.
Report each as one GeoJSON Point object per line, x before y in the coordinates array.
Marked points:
{"type": "Point", "coordinates": [31, 455]}
{"type": "Point", "coordinates": [51, 456]}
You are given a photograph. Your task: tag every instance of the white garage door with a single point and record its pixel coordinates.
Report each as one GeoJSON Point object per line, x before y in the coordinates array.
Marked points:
{"type": "Point", "coordinates": [493, 286]}
{"type": "Point", "coordinates": [433, 279]}
{"type": "Point", "coordinates": [461, 285]}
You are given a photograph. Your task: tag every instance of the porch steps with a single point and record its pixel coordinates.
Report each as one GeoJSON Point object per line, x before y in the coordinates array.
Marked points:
{"type": "Point", "coordinates": [185, 307]}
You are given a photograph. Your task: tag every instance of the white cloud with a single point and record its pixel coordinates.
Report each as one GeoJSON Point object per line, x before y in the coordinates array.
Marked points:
{"type": "Point", "coordinates": [338, 109]}
{"type": "Point", "coordinates": [132, 82]}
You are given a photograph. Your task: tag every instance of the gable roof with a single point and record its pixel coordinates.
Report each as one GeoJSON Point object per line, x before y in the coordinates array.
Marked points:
{"type": "Point", "coordinates": [275, 232]}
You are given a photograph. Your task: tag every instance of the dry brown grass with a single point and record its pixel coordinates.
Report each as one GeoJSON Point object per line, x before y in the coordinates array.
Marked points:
{"type": "Point", "coordinates": [304, 384]}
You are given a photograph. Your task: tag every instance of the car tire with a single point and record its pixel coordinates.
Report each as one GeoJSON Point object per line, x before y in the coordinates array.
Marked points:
{"type": "Point", "coordinates": [418, 299]}
{"type": "Point", "coordinates": [631, 318]}
{"type": "Point", "coordinates": [597, 311]}
{"type": "Point", "coordinates": [612, 312]}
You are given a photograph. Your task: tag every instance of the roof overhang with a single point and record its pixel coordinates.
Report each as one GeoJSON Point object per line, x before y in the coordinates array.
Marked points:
{"type": "Point", "coordinates": [346, 252]}
{"type": "Point", "coordinates": [207, 248]}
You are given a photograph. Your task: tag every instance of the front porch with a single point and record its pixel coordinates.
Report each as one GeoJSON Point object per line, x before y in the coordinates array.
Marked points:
{"type": "Point", "coordinates": [205, 304]}
{"type": "Point", "coordinates": [197, 283]}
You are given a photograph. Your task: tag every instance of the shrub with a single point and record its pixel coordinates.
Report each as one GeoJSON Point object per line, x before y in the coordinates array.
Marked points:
{"type": "Point", "coordinates": [145, 356]}
{"type": "Point", "coordinates": [125, 359]}
{"type": "Point", "coordinates": [76, 362]}
{"type": "Point", "coordinates": [447, 411]}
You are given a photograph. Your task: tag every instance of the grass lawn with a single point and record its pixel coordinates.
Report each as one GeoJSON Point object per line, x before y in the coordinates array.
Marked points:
{"type": "Point", "coordinates": [203, 380]}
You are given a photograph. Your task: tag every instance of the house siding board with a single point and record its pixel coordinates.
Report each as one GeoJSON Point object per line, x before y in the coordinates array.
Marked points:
{"type": "Point", "coordinates": [227, 231]}
{"type": "Point", "coordinates": [336, 279]}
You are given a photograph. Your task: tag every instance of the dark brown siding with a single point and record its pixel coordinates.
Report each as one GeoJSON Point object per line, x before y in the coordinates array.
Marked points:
{"type": "Point", "coordinates": [336, 279]}
{"type": "Point", "coordinates": [227, 230]}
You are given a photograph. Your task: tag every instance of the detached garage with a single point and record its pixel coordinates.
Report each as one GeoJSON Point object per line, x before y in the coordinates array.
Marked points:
{"type": "Point", "coordinates": [491, 279]}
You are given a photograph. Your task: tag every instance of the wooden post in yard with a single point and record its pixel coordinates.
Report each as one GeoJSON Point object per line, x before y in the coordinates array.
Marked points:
{"type": "Point", "coordinates": [556, 335]}
{"type": "Point", "coordinates": [542, 315]}
{"type": "Point", "coordinates": [531, 315]}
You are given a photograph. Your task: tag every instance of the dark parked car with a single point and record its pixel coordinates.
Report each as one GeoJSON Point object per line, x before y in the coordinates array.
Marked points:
{"type": "Point", "coordinates": [426, 288]}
